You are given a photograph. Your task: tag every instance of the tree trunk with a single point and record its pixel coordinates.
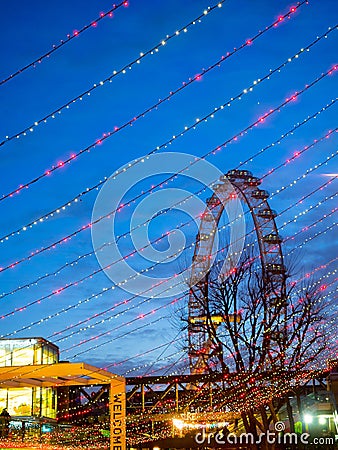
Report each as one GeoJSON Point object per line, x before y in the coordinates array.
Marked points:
{"type": "Point", "coordinates": [249, 427]}
{"type": "Point", "coordinates": [253, 430]}
{"type": "Point", "coordinates": [290, 416]}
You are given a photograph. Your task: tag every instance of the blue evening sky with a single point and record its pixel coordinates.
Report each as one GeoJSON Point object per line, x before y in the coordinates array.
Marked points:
{"type": "Point", "coordinates": [29, 29]}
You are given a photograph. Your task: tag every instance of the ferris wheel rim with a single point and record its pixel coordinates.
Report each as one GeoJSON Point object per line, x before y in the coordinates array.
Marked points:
{"type": "Point", "coordinates": [246, 187]}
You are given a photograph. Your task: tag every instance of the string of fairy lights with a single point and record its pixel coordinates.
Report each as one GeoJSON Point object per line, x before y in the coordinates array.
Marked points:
{"type": "Point", "coordinates": [154, 107]}
{"type": "Point", "coordinates": [74, 262]}
{"type": "Point", "coordinates": [73, 408]}
{"type": "Point", "coordinates": [76, 199]}
{"type": "Point", "coordinates": [119, 314]}
{"type": "Point", "coordinates": [63, 42]}
{"type": "Point", "coordinates": [89, 276]}
{"type": "Point", "coordinates": [240, 399]}
{"type": "Point", "coordinates": [122, 71]}
{"type": "Point", "coordinates": [145, 301]}
{"type": "Point", "coordinates": [77, 407]}
{"type": "Point", "coordinates": [317, 283]}
{"type": "Point", "coordinates": [213, 151]}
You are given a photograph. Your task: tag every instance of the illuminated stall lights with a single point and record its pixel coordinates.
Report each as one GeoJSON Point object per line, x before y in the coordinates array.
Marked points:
{"type": "Point", "coordinates": [237, 389]}
{"type": "Point", "coordinates": [181, 424]}
{"type": "Point", "coordinates": [29, 402]}
{"type": "Point", "coordinates": [66, 375]}
{"type": "Point", "coordinates": [238, 396]}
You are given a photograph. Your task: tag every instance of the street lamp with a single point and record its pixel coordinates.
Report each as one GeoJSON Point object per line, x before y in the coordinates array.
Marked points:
{"type": "Point", "coordinates": [308, 418]}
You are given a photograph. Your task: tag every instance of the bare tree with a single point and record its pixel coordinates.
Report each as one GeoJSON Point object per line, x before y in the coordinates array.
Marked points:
{"type": "Point", "coordinates": [265, 336]}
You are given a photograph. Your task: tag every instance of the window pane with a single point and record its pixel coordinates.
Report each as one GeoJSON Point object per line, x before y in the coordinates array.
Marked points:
{"type": "Point", "coordinates": [23, 356]}
{"type": "Point", "coordinates": [3, 398]}
{"type": "Point", "coordinates": [5, 356]}
{"type": "Point", "coordinates": [20, 402]}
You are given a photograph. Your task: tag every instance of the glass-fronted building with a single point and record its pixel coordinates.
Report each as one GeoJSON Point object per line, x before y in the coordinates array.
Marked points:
{"type": "Point", "coordinates": [28, 402]}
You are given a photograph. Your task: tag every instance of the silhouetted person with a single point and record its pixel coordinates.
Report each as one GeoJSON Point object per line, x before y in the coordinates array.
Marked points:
{"type": "Point", "coordinates": [5, 418]}
{"type": "Point", "coordinates": [23, 430]}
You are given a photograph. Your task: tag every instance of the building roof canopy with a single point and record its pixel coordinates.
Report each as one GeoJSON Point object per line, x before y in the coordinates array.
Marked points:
{"type": "Point", "coordinates": [54, 375]}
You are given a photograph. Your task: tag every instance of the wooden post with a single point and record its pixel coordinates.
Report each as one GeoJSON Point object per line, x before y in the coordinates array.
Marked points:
{"type": "Point", "coordinates": [142, 397]}
{"type": "Point", "coordinates": [117, 411]}
{"type": "Point", "coordinates": [176, 396]}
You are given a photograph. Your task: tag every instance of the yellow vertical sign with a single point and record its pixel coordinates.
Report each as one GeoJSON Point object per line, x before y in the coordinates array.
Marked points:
{"type": "Point", "coordinates": [117, 410]}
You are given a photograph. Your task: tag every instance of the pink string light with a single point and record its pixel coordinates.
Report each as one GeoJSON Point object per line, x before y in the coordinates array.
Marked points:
{"type": "Point", "coordinates": [62, 43]}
